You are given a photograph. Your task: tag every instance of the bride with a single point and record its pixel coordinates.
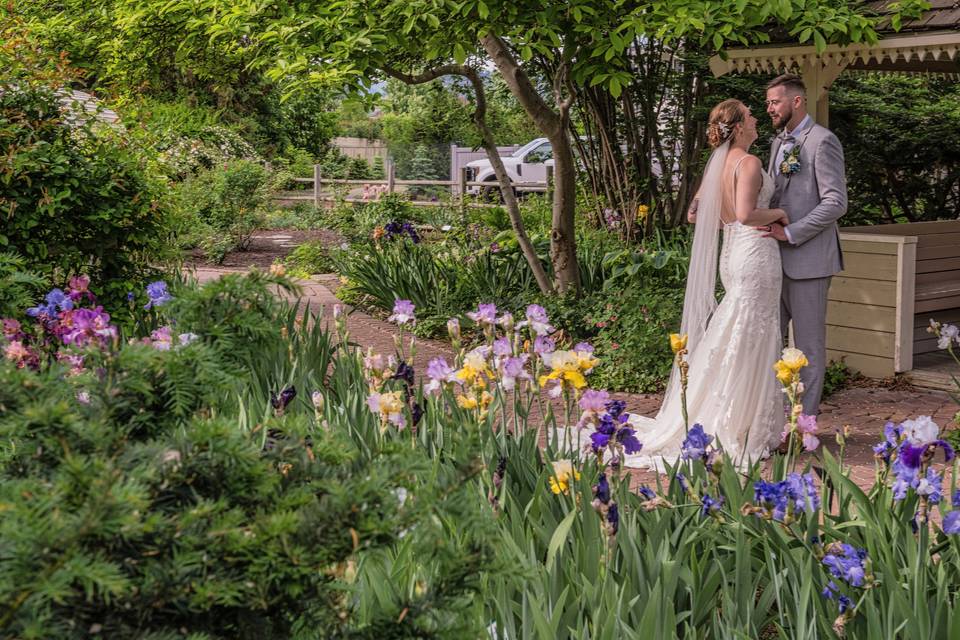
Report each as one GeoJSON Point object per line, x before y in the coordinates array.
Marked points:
{"type": "Point", "coordinates": [732, 389]}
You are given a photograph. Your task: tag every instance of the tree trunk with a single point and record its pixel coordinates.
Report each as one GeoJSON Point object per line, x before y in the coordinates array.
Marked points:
{"type": "Point", "coordinates": [553, 124]}
{"type": "Point", "coordinates": [490, 146]}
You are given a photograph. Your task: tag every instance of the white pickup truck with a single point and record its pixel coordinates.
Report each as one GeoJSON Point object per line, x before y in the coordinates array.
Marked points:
{"type": "Point", "coordinates": [526, 164]}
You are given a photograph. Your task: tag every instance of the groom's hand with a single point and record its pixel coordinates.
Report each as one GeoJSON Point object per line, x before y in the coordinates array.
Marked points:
{"type": "Point", "coordinates": [773, 230]}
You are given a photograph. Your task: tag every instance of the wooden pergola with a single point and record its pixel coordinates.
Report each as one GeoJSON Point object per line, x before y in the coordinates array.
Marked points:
{"type": "Point", "coordinates": [929, 44]}
{"type": "Point", "coordinates": [897, 277]}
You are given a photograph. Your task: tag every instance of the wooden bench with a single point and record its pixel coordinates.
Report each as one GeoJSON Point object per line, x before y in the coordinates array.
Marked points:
{"type": "Point", "coordinates": [896, 278]}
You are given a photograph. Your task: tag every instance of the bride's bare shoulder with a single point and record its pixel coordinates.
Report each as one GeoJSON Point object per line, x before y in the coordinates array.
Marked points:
{"type": "Point", "coordinates": [748, 164]}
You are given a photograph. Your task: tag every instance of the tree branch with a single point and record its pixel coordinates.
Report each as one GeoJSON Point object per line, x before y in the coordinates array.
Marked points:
{"type": "Point", "coordinates": [490, 146]}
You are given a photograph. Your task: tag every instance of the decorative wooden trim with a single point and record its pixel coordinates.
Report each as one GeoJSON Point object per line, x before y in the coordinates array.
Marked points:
{"type": "Point", "coordinates": [772, 59]}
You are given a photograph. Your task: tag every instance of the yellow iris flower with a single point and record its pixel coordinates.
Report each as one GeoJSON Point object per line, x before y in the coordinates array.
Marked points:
{"type": "Point", "coordinates": [784, 373]}
{"type": "Point", "coordinates": [560, 482]}
{"type": "Point", "coordinates": [794, 359]}
{"type": "Point", "coordinates": [568, 366]}
{"type": "Point", "coordinates": [678, 342]}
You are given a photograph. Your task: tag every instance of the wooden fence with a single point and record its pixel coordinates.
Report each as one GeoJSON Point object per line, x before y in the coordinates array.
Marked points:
{"type": "Point", "coordinates": [391, 184]}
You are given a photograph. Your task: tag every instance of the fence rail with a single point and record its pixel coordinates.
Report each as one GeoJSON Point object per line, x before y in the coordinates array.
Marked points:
{"type": "Point", "coordinates": [458, 188]}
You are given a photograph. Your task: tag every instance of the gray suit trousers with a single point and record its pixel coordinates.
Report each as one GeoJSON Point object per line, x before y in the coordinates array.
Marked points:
{"type": "Point", "coordinates": [805, 303]}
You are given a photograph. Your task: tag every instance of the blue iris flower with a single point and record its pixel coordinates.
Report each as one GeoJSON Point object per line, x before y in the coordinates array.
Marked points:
{"type": "Point", "coordinates": [695, 444]}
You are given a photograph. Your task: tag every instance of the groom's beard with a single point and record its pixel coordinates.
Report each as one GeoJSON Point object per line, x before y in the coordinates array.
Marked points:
{"type": "Point", "coordinates": [780, 121]}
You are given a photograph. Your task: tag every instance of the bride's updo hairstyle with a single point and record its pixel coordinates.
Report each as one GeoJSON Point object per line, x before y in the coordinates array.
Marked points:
{"type": "Point", "coordinates": [724, 117]}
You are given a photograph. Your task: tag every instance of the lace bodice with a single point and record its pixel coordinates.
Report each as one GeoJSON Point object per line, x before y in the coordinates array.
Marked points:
{"type": "Point", "coordinates": [766, 190]}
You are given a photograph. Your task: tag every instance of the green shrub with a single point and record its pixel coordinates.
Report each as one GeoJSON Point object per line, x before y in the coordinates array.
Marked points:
{"type": "Point", "coordinates": [632, 337]}
{"type": "Point", "coordinates": [310, 258]}
{"type": "Point", "coordinates": [230, 201]}
{"type": "Point", "coordinates": [76, 197]}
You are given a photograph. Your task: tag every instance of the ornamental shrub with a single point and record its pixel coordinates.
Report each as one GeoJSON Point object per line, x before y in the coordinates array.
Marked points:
{"type": "Point", "coordinates": [75, 197]}
{"type": "Point", "coordinates": [229, 200]}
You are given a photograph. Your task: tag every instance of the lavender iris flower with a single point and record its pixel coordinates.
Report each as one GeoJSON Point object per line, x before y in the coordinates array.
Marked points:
{"type": "Point", "coordinates": [157, 294]}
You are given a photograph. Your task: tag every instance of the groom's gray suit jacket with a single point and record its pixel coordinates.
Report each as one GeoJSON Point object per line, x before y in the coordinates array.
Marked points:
{"type": "Point", "coordinates": [814, 198]}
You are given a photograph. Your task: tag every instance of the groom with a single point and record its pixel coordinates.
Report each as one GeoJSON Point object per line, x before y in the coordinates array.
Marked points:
{"type": "Point", "coordinates": [806, 161]}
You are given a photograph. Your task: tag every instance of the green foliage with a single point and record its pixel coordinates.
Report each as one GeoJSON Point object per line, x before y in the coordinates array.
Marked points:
{"type": "Point", "coordinates": [159, 494]}
{"type": "Point", "coordinates": [631, 334]}
{"type": "Point", "coordinates": [230, 201]}
{"type": "Point", "coordinates": [112, 528]}
{"type": "Point", "coordinates": [76, 196]}
{"type": "Point", "coordinates": [836, 377]}
{"type": "Point", "coordinates": [19, 287]}
{"type": "Point", "coordinates": [335, 164]}
{"type": "Point", "coordinates": [310, 258]}
{"type": "Point", "coordinates": [900, 136]}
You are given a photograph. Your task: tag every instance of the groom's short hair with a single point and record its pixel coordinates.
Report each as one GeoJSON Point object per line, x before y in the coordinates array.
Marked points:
{"type": "Point", "coordinates": [789, 81]}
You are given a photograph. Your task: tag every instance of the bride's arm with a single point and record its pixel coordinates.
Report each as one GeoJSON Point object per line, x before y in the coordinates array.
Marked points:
{"type": "Point", "coordinates": [692, 210]}
{"type": "Point", "coordinates": [748, 186]}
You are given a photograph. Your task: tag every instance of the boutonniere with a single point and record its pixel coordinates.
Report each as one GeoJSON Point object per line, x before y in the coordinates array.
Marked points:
{"type": "Point", "coordinates": [791, 161]}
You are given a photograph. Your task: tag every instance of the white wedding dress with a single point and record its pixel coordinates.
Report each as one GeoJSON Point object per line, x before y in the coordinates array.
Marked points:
{"type": "Point", "coordinates": [732, 389]}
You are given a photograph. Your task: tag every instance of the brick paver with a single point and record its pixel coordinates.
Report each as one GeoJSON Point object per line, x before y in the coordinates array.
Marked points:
{"type": "Point", "coordinates": [863, 410]}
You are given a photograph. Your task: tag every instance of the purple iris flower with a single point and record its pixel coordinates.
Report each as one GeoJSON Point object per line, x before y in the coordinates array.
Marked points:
{"type": "Point", "coordinates": [502, 347]}
{"type": "Point", "coordinates": [543, 345]}
{"type": "Point", "coordinates": [537, 320]}
{"type": "Point", "coordinates": [55, 300]}
{"type": "Point", "coordinates": [628, 439]}
{"type": "Point", "coordinates": [583, 347]}
{"type": "Point", "coordinates": [848, 565]}
{"type": "Point", "coordinates": [615, 408]}
{"type": "Point", "coordinates": [403, 312]}
{"type": "Point", "coordinates": [486, 313]}
{"type": "Point", "coordinates": [797, 493]}
{"type": "Point", "coordinates": [81, 327]}
{"type": "Point", "coordinates": [682, 481]}
{"type": "Point", "coordinates": [280, 400]}
{"type": "Point", "coordinates": [844, 604]}
{"type": "Point", "coordinates": [613, 518]}
{"type": "Point", "coordinates": [646, 492]}
{"type": "Point", "coordinates": [709, 505]}
{"type": "Point", "coordinates": [404, 372]}
{"type": "Point", "coordinates": [605, 430]}
{"type": "Point", "coordinates": [157, 294]}
{"type": "Point", "coordinates": [951, 522]}
{"type": "Point", "coordinates": [695, 445]}
{"type": "Point", "coordinates": [594, 400]}
{"type": "Point", "coordinates": [416, 413]}
{"type": "Point", "coordinates": [602, 489]}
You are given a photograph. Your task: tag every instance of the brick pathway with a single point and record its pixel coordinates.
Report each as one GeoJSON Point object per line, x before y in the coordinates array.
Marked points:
{"type": "Point", "coordinates": [864, 411]}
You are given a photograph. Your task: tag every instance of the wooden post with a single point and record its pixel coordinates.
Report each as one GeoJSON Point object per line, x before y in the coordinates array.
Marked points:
{"type": "Point", "coordinates": [391, 177]}
{"type": "Point", "coordinates": [316, 186]}
{"type": "Point", "coordinates": [549, 183]}
{"type": "Point", "coordinates": [463, 192]}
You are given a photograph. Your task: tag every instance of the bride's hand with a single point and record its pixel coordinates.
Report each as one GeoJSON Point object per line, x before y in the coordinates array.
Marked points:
{"type": "Point", "coordinates": [692, 212]}
{"type": "Point", "coordinates": [783, 220]}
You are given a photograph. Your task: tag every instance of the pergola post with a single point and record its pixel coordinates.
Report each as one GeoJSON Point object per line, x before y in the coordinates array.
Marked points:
{"type": "Point", "coordinates": [819, 74]}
